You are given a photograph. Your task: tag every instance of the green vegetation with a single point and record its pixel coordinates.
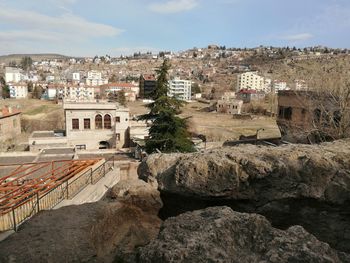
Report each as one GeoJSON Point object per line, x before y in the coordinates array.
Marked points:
{"type": "Point", "coordinates": [5, 90]}
{"type": "Point", "coordinates": [168, 132]}
{"type": "Point", "coordinates": [38, 92]}
{"type": "Point", "coordinates": [121, 97]}
{"type": "Point", "coordinates": [26, 63]}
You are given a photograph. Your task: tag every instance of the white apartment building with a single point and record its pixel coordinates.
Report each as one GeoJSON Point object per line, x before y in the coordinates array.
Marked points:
{"type": "Point", "coordinates": [71, 92]}
{"type": "Point", "coordinates": [251, 80]}
{"type": "Point", "coordinates": [18, 90]}
{"type": "Point", "coordinates": [13, 75]}
{"type": "Point", "coordinates": [180, 89]}
{"type": "Point", "coordinates": [94, 78]}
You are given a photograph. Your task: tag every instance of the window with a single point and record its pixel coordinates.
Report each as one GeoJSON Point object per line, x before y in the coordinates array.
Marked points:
{"type": "Point", "coordinates": [117, 137]}
{"type": "Point", "coordinates": [87, 124]}
{"type": "Point", "coordinates": [80, 147]}
{"type": "Point", "coordinates": [117, 119]}
{"type": "Point", "coordinates": [285, 113]}
{"type": "Point", "coordinates": [107, 121]}
{"type": "Point", "coordinates": [75, 124]}
{"type": "Point", "coordinates": [14, 123]}
{"type": "Point", "coordinates": [98, 121]}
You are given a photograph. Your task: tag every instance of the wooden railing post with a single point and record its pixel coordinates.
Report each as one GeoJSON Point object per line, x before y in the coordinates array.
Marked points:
{"type": "Point", "coordinates": [14, 220]}
{"type": "Point", "coordinates": [91, 175]}
{"type": "Point", "coordinates": [67, 190]}
{"type": "Point", "coordinates": [37, 201]}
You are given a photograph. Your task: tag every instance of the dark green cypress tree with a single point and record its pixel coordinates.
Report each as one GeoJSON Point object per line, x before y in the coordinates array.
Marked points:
{"type": "Point", "coordinates": [168, 132]}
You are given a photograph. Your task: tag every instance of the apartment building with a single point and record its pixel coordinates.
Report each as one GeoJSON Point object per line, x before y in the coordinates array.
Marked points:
{"type": "Point", "coordinates": [94, 78]}
{"type": "Point", "coordinates": [148, 84]}
{"type": "Point", "coordinates": [13, 75]}
{"type": "Point", "coordinates": [180, 89]}
{"type": "Point", "coordinates": [18, 90]}
{"type": "Point", "coordinates": [252, 81]}
{"type": "Point", "coordinates": [70, 92]}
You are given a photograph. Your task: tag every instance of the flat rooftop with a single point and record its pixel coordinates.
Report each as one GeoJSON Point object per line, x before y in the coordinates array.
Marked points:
{"type": "Point", "coordinates": [86, 105]}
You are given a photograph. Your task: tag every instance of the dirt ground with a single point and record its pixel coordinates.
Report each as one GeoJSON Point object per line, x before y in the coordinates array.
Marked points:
{"type": "Point", "coordinates": [218, 126]}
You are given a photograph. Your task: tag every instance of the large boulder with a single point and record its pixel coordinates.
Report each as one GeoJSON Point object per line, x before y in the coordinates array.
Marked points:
{"type": "Point", "coordinates": [218, 234]}
{"type": "Point", "coordinates": [256, 172]}
{"type": "Point", "coordinates": [97, 232]}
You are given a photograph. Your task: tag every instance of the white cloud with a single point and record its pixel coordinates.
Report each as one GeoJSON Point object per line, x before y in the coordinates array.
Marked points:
{"type": "Point", "coordinates": [298, 37]}
{"type": "Point", "coordinates": [72, 25]}
{"type": "Point", "coordinates": [173, 6]}
{"type": "Point", "coordinates": [29, 31]}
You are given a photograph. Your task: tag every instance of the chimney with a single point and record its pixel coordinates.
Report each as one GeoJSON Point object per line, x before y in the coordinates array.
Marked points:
{"type": "Point", "coordinates": [10, 109]}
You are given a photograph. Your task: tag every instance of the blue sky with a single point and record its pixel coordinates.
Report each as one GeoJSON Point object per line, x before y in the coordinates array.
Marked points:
{"type": "Point", "coordinates": [114, 27]}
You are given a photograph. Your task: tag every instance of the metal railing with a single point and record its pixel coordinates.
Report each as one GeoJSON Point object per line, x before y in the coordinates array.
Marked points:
{"type": "Point", "coordinates": [68, 189]}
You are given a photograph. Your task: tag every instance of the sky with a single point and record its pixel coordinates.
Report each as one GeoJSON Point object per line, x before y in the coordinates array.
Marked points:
{"type": "Point", "coordinates": [115, 27]}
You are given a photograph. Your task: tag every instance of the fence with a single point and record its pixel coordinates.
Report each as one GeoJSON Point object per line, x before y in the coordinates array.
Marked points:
{"type": "Point", "coordinates": [43, 201]}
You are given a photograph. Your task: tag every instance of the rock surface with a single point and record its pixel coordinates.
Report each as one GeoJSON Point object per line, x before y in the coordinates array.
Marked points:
{"type": "Point", "coordinates": [219, 234]}
{"type": "Point", "coordinates": [256, 172]}
{"type": "Point", "coordinates": [95, 232]}
{"type": "Point", "coordinates": [306, 185]}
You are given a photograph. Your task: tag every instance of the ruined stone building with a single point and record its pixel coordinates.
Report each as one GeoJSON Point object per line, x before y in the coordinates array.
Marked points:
{"type": "Point", "coordinates": [307, 117]}
{"type": "Point", "coordinates": [10, 123]}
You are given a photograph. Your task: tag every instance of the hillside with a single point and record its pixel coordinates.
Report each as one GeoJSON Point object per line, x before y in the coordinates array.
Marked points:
{"type": "Point", "coordinates": [36, 57]}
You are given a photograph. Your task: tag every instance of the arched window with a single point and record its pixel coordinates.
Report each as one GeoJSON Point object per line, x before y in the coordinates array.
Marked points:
{"type": "Point", "coordinates": [107, 121]}
{"type": "Point", "coordinates": [98, 121]}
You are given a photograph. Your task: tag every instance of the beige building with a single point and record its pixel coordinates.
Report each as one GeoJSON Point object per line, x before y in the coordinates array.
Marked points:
{"type": "Point", "coordinates": [71, 92]}
{"type": "Point", "coordinates": [229, 106]}
{"type": "Point", "coordinates": [10, 124]}
{"type": "Point", "coordinates": [96, 125]}
{"type": "Point", "coordinates": [94, 78]}
{"type": "Point", "coordinates": [252, 81]}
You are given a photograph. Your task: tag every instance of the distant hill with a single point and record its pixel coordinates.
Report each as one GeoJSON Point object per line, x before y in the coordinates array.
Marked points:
{"type": "Point", "coordinates": [36, 57]}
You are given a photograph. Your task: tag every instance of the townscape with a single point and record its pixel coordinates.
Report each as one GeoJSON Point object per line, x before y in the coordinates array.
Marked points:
{"type": "Point", "coordinates": [212, 153]}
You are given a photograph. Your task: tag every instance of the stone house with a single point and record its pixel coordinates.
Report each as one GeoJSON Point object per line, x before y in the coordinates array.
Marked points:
{"type": "Point", "coordinates": [92, 125]}
{"type": "Point", "coordinates": [307, 117]}
{"type": "Point", "coordinates": [10, 123]}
